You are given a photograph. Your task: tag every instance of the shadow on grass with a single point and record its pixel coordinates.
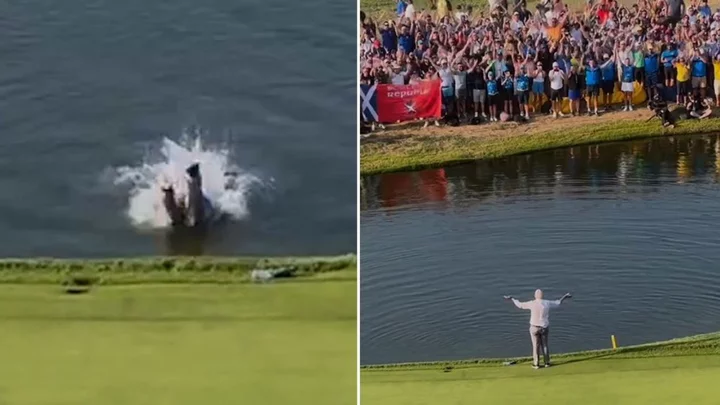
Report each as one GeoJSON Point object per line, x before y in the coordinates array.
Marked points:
{"type": "Point", "coordinates": [581, 359]}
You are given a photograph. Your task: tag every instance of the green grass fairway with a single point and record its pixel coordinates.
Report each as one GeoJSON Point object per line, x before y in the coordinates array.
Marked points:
{"type": "Point", "coordinates": [277, 343]}
{"type": "Point", "coordinates": [677, 372]}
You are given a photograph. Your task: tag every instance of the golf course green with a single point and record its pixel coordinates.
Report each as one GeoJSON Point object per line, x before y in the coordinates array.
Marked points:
{"type": "Point", "coordinates": [681, 371]}
{"type": "Point", "coordinates": [130, 339]}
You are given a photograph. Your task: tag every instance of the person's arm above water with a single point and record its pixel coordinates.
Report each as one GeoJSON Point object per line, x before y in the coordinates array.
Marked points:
{"type": "Point", "coordinates": [521, 305]}
{"type": "Point", "coordinates": [556, 303]}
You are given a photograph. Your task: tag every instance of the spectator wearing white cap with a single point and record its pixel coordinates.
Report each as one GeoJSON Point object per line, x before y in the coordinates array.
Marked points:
{"type": "Point", "coordinates": [557, 80]}
{"type": "Point", "coordinates": [516, 23]}
{"type": "Point", "coordinates": [538, 86]}
{"type": "Point", "coordinates": [716, 22]}
{"type": "Point", "coordinates": [608, 72]}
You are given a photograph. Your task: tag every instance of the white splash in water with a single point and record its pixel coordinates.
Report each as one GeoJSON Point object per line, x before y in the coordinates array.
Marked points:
{"type": "Point", "coordinates": [228, 195]}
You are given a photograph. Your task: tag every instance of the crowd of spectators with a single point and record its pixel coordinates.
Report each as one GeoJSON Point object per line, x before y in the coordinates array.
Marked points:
{"type": "Point", "coordinates": [509, 60]}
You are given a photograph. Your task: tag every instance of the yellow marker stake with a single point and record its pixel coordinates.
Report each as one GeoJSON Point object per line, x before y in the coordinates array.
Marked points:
{"type": "Point", "coordinates": [614, 342]}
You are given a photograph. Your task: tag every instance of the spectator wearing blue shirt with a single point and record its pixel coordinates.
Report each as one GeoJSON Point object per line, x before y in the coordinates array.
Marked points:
{"type": "Point", "coordinates": [651, 71]}
{"type": "Point", "coordinates": [420, 49]}
{"type": "Point", "coordinates": [592, 85]}
{"type": "Point", "coordinates": [563, 62]}
{"type": "Point", "coordinates": [668, 60]}
{"type": "Point", "coordinates": [704, 9]}
{"type": "Point", "coordinates": [698, 70]}
{"type": "Point", "coordinates": [406, 38]}
{"type": "Point", "coordinates": [401, 6]}
{"type": "Point", "coordinates": [493, 94]}
{"type": "Point", "coordinates": [389, 37]}
{"type": "Point", "coordinates": [627, 80]}
{"type": "Point", "coordinates": [522, 86]}
{"type": "Point", "coordinates": [509, 90]}
{"type": "Point", "coordinates": [608, 74]}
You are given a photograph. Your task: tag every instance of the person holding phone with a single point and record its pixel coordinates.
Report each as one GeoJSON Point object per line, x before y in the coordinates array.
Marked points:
{"type": "Point", "coordinates": [557, 81]}
{"type": "Point", "coordinates": [539, 323]}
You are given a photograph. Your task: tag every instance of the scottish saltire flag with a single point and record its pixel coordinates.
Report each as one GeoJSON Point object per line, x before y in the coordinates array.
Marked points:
{"type": "Point", "coordinates": [388, 103]}
{"type": "Point", "coordinates": [368, 102]}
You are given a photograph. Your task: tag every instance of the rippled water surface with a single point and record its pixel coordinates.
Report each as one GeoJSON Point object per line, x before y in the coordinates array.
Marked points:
{"type": "Point", "coordinates": [90, 85]}
{"type": "Point", "coordinates": [631, 229]}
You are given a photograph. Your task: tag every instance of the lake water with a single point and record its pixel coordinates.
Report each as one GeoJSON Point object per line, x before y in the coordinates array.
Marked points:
{"type": "Point", "coordinates": [632, 230]}
{"type": "Point", "coordinates": [88, 86]}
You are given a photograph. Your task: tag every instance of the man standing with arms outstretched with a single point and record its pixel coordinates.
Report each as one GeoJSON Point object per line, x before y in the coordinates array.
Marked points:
{"type": "Point", "coordinates": [539, 323]}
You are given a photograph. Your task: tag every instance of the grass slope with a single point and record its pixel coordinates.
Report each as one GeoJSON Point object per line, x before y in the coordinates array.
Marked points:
{"type": "Point", "coordinates": [283, 343]}
{"type": "Point", "coordinates": [413, 152]}
{"type": "Point", "coordinates": [677, 371]}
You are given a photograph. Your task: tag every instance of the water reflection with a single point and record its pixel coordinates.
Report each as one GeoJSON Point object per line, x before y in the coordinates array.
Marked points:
{"type": "Point", "coordinates": [399, 189]}
{"type": "Point", "coordinates": [185, 241]}
{"type": "Point", "coordinates": [631, 167]}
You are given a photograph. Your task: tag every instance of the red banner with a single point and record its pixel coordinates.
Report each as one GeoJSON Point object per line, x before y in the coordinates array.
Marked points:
{"type": "Point", "coordinates": [410, 102]}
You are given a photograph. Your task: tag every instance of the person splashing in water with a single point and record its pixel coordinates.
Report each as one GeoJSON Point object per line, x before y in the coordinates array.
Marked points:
{"type": "Point", "coordinates": [187, 210]}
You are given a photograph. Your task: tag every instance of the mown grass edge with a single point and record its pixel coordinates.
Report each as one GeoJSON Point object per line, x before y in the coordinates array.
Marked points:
{"type": "Point", "coordinates": [696, 345]}
{"type": "Point", "coordinates": [171, 269]}
{"type": "Point", "coordinates": [432, 151]}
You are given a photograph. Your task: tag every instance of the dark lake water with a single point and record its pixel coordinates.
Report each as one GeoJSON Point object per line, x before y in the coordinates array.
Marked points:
{"type": "Point", "coordinates": [631, 229]}
{"type": "Point", "coordinates": [88, 85]}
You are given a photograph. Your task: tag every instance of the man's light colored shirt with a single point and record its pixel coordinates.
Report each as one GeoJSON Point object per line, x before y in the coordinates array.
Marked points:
{"type": "Point", "coordinates": [539, 310]}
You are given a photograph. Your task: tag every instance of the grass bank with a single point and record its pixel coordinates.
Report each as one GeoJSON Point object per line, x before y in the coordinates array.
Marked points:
{"type": "Point", "coordinates": [676, 371]}
{"type": "Point", "coordinates": [164, 270]}
{"type": "Point", "coordinates": [411, 147]}
{"type": "Point", "coordinates": [279, 343]}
